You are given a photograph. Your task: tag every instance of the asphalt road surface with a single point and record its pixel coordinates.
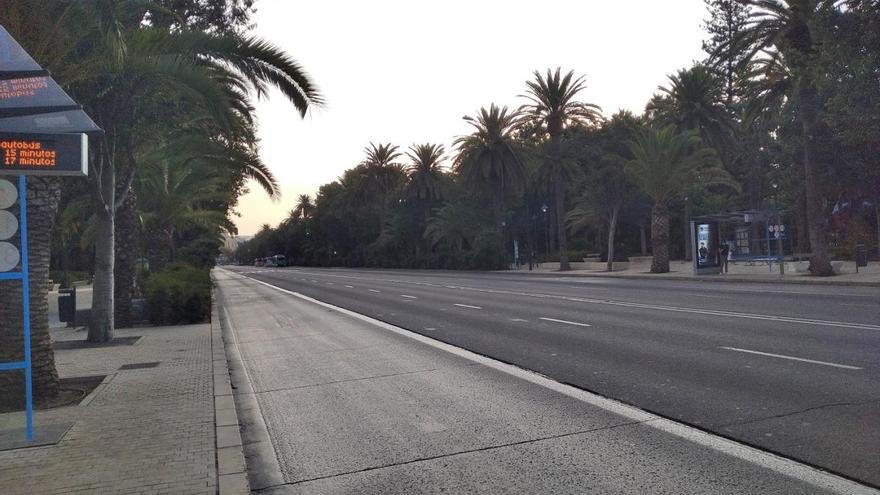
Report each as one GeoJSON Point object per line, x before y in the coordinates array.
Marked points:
{"type": "Point", "coordinates": [791, 369]}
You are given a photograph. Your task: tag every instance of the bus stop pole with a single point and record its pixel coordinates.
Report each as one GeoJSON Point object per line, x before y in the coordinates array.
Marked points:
{"type": "Point", "coordinates": [26, 309]}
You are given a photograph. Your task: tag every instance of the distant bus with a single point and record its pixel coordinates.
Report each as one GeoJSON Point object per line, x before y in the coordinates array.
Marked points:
{"type": "Point", "coordinates": [279, 260]}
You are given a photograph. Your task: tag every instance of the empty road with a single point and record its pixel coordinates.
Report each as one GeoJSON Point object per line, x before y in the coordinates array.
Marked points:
{"type": "Point", "coordinates": [792, 369]}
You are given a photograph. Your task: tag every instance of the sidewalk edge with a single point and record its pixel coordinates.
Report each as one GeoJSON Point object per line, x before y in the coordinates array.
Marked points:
{"type": "Point", "coordinates": [707, 278]}
{"type": "Point", "coordinates": [232, 476]}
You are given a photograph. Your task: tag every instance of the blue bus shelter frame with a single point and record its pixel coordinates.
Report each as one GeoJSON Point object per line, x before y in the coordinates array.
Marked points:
{"type": "Point", "coordinates": [24, 276]}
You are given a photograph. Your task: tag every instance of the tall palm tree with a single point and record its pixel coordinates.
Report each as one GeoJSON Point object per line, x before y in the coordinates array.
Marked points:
{"type": "Point", "coordinates": [788, 27]}
{"type": "Point", "coordinates": [383, 176]}
{"type": "Point", "coordinates": [694, 101]}
{"type": "Point", "coordinates": [304, 207]}
{"type": "Point", "coordinates": [381, 155]}
{"type": "Point", "coordinates": [665, 164]}
{"type": "Point", "coordinates": [130, 62]}
{"type": "Point", "coordinates": [424, 172]}
{"type": "Point", "coordinates": [490, 157]}
{"type": "Point", "coordinates": [552, 108]}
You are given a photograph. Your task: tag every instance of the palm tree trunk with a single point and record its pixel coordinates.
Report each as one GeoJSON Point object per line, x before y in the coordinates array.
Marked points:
{"type": "Point", "coordinates": [820, 263]}
{"type": "Point", "coordinates": [643, 240]}
{"type": "Point", "coordinates": [125, 254]}
{"type": "Point", "coordinates": [559, 189]}
{"type": "Point", "coordinates": [101, 319]}
{"type": "Point", "coordinates": [43, 194]}
{"type": "Point", "coordinates": [660, 239]}
{"type": "Point", "coordinates": [612, 228]}
{"type": "Point", "coordinates": [877, 214]}
{"type": "Point", "coordinates": [803, 230]}
{"type": "Point", "coordinates": [688, 213]}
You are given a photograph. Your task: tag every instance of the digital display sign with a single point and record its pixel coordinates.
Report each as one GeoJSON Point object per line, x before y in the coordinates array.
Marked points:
{"type": "Point", "coordinates": [26, 87]}
{"type": "Point", "coordinates": [44, 154]}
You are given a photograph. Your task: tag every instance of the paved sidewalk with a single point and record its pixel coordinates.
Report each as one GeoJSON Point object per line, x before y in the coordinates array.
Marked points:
{"type": "Point", "coordinates": [142, 431]}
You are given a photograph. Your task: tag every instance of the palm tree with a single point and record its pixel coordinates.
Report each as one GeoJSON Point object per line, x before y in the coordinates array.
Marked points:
{"type": "Point", "coordinates": [130, 63]}
{"type": "Point", "coordinates": [383, 176]}
{"type": "Point", "coordinates": [665, 165]}
{"type": "Point", "coordinates": [424, 172]}
{"type": "Point", "coordinates": [303, 208]}
{"type": "Point", "coordinates": [787, 27]}
{"type": "Point", "coordinates": [490, 157]}
{"type": "Point", "coordinates": [178, 197]}
{"type": "Point", "coordinates": [453, 224]}
{"type": "Point", "coordinates": [552, 109]}
{"type": "Point", "coordinates": [381, 155]}
{"type": "Point", "coordinates": [694, 101]}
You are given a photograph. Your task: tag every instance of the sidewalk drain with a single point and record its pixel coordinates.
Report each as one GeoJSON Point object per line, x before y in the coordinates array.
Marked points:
{"type": "Point", "coordinates": [138, 366]}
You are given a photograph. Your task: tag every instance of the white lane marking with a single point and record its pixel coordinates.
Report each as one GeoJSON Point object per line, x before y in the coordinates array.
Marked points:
{"type": "Point", "coordinates": [518, 319]}
{"type": "Point", "coordinates": [566, 322]}
{"type": "Point", "coordinates": [374, 290]}
{"type": "Point", "coordinates": [350, 286]}
{"type": "Point", "coordinates": [408, 297]}
{"type": "Point", "coordinates": [329, 283]}
{"type": "Point", "coordinates": [781, 465]}
{"type": "Point", "coordinates": [792, 358]}
{"type": "Point", "coordinates": [451, 287]}
{"type": "Point", "coordinates": [467, 306]}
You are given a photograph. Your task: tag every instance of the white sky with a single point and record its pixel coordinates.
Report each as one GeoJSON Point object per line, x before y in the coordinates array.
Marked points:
{"type": "Point", "coordinates": [408, 71]}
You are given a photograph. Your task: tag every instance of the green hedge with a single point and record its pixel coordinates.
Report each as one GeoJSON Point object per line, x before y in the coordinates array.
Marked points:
{"type": "Point", "coordinates": [178, 294]}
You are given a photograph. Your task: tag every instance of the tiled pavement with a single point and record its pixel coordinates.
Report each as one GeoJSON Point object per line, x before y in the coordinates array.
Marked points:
{"type": "Point", "coordinates": [143, 431]}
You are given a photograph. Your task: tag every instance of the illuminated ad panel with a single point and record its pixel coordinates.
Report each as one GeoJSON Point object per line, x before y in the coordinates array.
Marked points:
{"type": "Point", "coordinates": [44, 154]}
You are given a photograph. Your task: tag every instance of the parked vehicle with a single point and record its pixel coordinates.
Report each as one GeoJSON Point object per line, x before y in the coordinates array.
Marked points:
{"type": "Point", "coordinates": [280, 260]}
{"type": "Point", "coordinates": [259, 262]}
{"type": "Point", "coordinates": [270, 261]}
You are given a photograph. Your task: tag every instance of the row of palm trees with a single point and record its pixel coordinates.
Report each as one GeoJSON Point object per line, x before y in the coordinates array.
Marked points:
{"type": "Point", "coordinates": [702, 132]}
{"type": "Point", "coordinates": [509, 155]}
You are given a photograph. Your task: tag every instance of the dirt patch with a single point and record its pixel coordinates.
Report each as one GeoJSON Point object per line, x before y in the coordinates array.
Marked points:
{"type": "Point", "coordinates": [72, 391]}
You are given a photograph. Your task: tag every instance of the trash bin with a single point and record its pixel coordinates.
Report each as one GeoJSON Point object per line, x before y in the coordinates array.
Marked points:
{"type": "Point", "coordinates": [861, 256]}
{"type": "Point", "coordinates": [67, 305]}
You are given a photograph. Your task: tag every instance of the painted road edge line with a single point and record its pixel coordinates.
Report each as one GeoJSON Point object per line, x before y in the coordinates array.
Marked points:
{"type": "Point", "coordinates": [566, 322]}
{"type": "Point", "coordinates": [779, 464]}
{"type": "Point", "coordinates": [792, 358]}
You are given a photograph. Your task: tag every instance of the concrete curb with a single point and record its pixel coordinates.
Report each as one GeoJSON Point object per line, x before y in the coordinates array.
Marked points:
{"type": "Point", "coordinates": [707, 278]}
{"type": "Point", "coordinates": [231, 468]}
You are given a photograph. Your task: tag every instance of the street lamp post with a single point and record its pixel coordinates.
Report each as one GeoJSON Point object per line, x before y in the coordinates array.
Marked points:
{"type": "Point", "coordinates": [544, 209]}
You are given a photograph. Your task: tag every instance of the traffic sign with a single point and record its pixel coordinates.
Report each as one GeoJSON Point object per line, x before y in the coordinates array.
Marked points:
{"type": "Point", "coordinates": [44, 154]}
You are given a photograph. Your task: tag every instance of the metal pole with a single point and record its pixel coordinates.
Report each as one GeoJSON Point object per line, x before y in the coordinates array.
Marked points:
{"type": "Point", "coordinates": [779, 246]}
{"type": "Point", "coordinates": [26, 308]}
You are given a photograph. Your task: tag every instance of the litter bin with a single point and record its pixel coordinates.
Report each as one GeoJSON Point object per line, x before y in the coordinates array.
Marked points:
{"type": "Point", "coordinates": [67, 305]}
{"type": "Point", "coordinates": [861, 256]}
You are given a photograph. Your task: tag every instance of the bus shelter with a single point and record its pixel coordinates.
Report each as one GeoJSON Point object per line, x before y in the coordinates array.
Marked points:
{"type": "Point", "coordinates": [752, 237]}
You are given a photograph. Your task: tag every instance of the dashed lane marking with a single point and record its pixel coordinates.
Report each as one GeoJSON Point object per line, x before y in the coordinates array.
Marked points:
{"type": "Point", "coordinates": [566, 322]}
{"type": "Point", "coordinates": [792, 358]}
{"type": "Point", "coordinates": [467, 306]}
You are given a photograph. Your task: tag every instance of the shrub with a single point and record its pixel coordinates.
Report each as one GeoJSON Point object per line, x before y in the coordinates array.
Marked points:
{"type": "Point", "coordinates": [180, 293]}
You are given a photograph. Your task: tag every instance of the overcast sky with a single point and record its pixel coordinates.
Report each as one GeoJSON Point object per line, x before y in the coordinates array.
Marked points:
{"type": "Point", "coordinates": [408, 71]}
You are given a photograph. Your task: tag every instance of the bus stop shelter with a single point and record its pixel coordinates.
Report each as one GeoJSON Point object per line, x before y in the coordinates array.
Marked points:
{"type": "Point", "coordinates": [753, 237]}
